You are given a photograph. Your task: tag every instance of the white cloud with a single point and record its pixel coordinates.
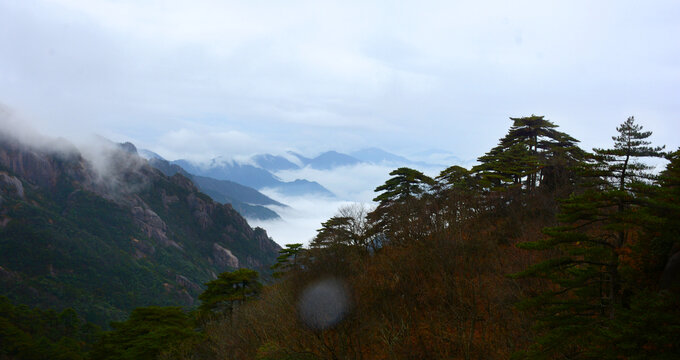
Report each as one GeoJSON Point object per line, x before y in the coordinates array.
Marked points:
{"type": "Point", "coordinates": [420, 74]}
{"type": "Point", "coordinates": [204, 144]}
{"type": "Point", "coordinates": [351, 184]}
{"type": "Point", "coordinates": [299, 221]}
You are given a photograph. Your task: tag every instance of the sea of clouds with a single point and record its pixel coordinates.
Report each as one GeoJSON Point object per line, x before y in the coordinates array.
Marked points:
{"type": "Point", "coordinates": [305, 214]}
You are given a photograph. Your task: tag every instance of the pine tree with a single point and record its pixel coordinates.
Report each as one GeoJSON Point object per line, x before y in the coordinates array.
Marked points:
{"type": "Point", "coordinates": [598, 226]}
{"type": "Point", "coordinates": [148, 332]}
{"type": "Point", "coordinates": [334, 232]}
{"type": "Point", "coordinates": [287, 260]}
{"type": "Point", "coordinates": [405, 183]}
{"type": "Point", "coordinates": [229, 290]}
{"type": "Point", "coordinates": [398, 215]}
{"type": "Point", "coordinates": [528, 155]}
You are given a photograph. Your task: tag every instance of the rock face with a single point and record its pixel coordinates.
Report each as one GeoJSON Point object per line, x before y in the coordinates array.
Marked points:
{"type": "Point", "coordinates": [42, 168]}
{"type": "Point", "coordinates": [150, 223]}
{"type": "Point", "coordinates": [224, 257]}
{"type": "Point", "coordinates": [11, 184]}
{"type": "Point", "coordinates": [69, 225]}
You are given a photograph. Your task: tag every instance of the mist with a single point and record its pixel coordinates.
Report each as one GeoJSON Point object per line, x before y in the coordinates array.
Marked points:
{"type": "Point", "coordinates": [299, 221]}
{"type": "Point", "coordinates": [108, 163]}
{"type": "Point", "coordinates": [351, 184]}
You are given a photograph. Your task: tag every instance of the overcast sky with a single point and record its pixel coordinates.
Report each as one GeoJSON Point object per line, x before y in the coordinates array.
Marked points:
{"type": "Point", "coordinates": [203, 78]}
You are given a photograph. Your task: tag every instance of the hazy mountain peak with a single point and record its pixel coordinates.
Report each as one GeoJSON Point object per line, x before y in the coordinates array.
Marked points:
{"type": "Point", "coordinates": [377, 155]}
{"type": "Point", "coordinates": [273, 162]}
{"type": "Point", "coordinates": [301, 158]}
{"type": "Point", "coordinates": [148, 154]}
{"type": "Point", "coordinates": [93, 233]}
{"type": "Point", "coordinates": [332, 159]}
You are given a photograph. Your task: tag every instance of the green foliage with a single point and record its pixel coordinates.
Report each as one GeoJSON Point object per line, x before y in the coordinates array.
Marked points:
{"type": "Point", "coordinates": [404, 183]}
{"type": "Point", "coordinates": [406, 188]}
{"type": "Point", "coordinates": [148, 332]}
{"type": "Point", "coordinates": [287, 260]}
{"type": "Point", "coordinates": [595, 292]}
{"type": "Point", "coordinates": [336, 231]}
{"type": "Point", "coordinates": [229, 290]}
{"type": "Point", "coordinates": [434, 287]}
{"type": "Point", "coordinates": [618, 165]}
{"type": "Point", "coordinates": [34, 334]}
{"type": "Point", "coordinates": [456, 177]}
{"type": "Point", "coordinates": [662, 226]}
{"type": "Point", "coordinates": [589, 262]}
{"type": "Point", "coordinates": [531, 154]}
{"type": "Point", "coordinates": [60, 242]}
{"type": "Point", "coordinates": [648, 329]}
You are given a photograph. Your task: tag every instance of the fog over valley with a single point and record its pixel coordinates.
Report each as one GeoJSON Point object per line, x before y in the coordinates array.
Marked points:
{"type": "Point", "coordinates": [323, 179]}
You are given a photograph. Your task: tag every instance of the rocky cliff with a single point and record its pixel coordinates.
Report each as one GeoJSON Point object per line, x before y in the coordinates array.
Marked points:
{"type": "Point", "coordinates": [106, 232]}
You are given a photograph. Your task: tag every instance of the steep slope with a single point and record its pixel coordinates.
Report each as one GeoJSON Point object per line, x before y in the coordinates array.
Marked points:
{"type": "Point", "coordinates": [273, 163]}
{"type": "Point", "coordinates": [108, 236]}
{"type": "Point", "coordinates": [377, 156]}
{"type": "Point", "coordinates": [252, 176]}
{"type": "Point", "coordinates": [327, 160]}
{"type": "Point", "coordinates": [246, 200]}
{"type": "Point", "coordinates": [332, 159]}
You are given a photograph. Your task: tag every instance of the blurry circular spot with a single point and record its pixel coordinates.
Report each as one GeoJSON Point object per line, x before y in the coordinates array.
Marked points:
{"type": "Point", "coordinates": [323, 304]}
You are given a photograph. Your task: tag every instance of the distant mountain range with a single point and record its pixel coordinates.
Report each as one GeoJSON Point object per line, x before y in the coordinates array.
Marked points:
{"type": "Point", "coordinates": [379, 156]}
{"type": "Point", "coordinates": [221, 176]}
{"type": "Point", "coordinates": [327, 160]}
{"type": "Point", "coordinates": [246, 200]}
{"type": "Point", "coordinates": [106, 236]}
{"type": "Point", "coordinates": [253, 176]}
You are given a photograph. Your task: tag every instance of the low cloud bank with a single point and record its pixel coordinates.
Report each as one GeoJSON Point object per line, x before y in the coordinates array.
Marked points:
{"type": "Point", "coordinates": [299, 221]}
{"type": "Point", "coordinates": [354, 183]}
{"type": "Point", "coordinates": [351, 184]}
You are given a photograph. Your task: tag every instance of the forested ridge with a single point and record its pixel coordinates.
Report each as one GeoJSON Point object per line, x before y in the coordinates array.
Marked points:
{"type": "Point", "coordinates": [541, 251]}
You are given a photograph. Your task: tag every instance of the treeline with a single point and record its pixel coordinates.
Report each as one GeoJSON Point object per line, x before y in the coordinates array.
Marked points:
{"type": "Point", "coordinates": [542, 251]}
{"type": "Point", "coordinates": [27, 333]}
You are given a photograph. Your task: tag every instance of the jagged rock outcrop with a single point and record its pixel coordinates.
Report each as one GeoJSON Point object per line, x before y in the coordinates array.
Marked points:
{"type": "Point", "coordinates": [150, 223]}
{"type": "Point", "coordinates": [264, 242]}
{"type": "Point", "coordinates": [42, 168]}
{"type": "Point", "coordinates": [224, 257]}
{"type": "Point", "coordinates": [168, 199]}
{"type": "Point", "coordinates": [200, 210]}
{"type": "Point", "coordinates": [9, 184]}
{"type": "Point", "coordinates": [113, 234]}
{"type": "Point", "coordinates": [183, 281]}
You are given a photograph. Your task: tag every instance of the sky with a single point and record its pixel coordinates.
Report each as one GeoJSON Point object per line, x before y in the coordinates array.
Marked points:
{"type": "Point", "coordinates": [198, 79]}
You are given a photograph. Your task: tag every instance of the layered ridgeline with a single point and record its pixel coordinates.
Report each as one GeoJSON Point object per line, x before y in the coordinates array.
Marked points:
{"type": "Point", "coordinates": [253, 176]}
{"type": "Point", "coordinates": [107, 233]}
{"type": "Point", "coordinates": [249, 202]}
{"type": "Point", "coordinates": [543, 250]}
{"type": "Point", "coordinates": [260, 172]}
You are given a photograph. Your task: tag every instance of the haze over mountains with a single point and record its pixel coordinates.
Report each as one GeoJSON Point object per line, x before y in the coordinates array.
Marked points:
{"type": "Point", "coordinates": [247, 201]}
{"type": "Point", "coordinates": [308, 189]}
{"type": "Point", "coordinates": [290, 193]}
{"type": "Point", "coordinates": [260, 171]}
{"type": "Point", "coordinates": [103, 232]}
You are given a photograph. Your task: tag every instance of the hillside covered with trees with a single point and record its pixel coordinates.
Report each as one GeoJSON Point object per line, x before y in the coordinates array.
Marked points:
{"type": "Point", "coordinates": [104, 237]}
{"type": "Point", "coordinates": [541, 251]}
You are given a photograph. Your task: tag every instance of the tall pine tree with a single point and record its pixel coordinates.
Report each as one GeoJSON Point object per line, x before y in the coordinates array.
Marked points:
{"type": "Point", "coordinates": [532, 153]}
{"type": "Point", "coordinates": [598, 226]}
{"type": "Point", "coordinates": [402, 199]}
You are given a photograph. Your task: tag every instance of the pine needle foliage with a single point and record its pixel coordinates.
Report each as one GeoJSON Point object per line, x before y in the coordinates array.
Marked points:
{"type": "Point", "coordinates": [598, 226]}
